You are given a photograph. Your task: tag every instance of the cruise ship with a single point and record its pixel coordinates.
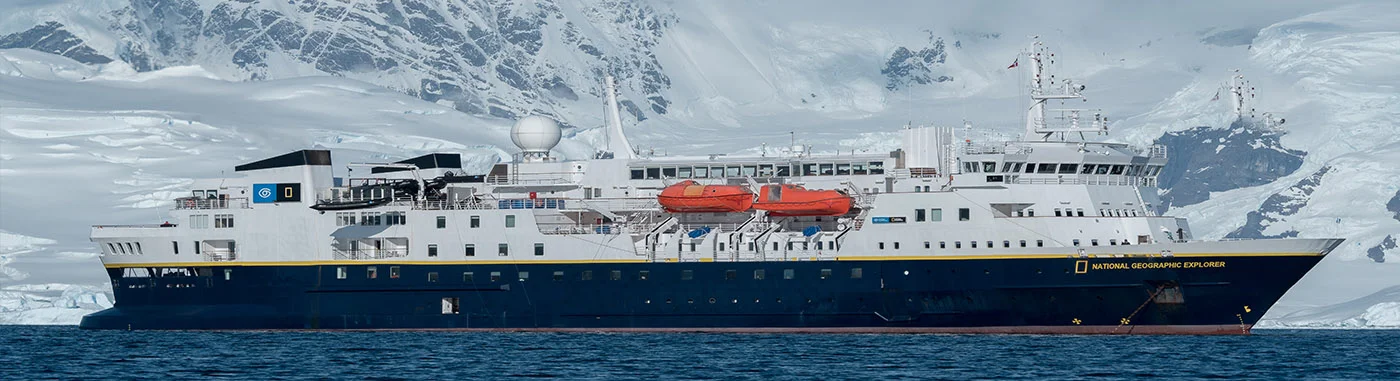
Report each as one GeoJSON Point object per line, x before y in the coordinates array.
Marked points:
{"type": "Point", "coordinates": [1047, 234]}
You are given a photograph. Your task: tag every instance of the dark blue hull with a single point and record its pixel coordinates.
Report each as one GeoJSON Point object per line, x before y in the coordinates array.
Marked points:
{"type": "Point", "coordinates": [1098, 295]}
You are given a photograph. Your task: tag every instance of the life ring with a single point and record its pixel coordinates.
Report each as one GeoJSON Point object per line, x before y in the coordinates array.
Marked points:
{"type": "Point", "coordinates": [189, 203]}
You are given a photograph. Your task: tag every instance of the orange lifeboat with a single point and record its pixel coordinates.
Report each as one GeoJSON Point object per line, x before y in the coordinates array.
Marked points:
{"type": "Point", "coordinates": [789, 200]}
{"type": "Point", "coordinates": [691, 197]}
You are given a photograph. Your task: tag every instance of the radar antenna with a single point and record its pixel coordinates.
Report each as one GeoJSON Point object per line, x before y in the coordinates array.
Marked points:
{"type": "Point", "coordinates": [1043, 88]}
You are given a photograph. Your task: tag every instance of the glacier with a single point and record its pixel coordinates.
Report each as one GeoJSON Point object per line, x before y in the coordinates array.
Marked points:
{"type": "Point", "coordinates": [108, 108]}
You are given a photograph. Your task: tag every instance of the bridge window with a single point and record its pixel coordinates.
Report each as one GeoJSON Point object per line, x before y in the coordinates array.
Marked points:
{"type": "Point", "coordinates": [470, 250]}
{"type": "Point", "coordinates": [341, 273]}
{"type": "Point", "coordinates": [684, 172]}
{"type": "Point", "coordinates": [503, 249]}
{"type": "Point", "coordinates": [783, 170]}
{"type": "Point", "coordinates": [432, 250]}
{"type": "Point", "coordinates": [1045, 168]}
{"type": "Point", "coordinates": [1068, 169]}
{"type": "Point", "coordinates": [843, 168]}
{"type": "Point", "coordinates": [989, 166]}
{"type": "Point", "coordinates": [1117, 169]}
{"type": "Point", "coordinates": [731, 171]}
{"type": "Point", "coordinates": [1030, 168]}
{"type": "Point", "coordinates": [877, 167]}
{"type": "Point", "coordinates": [1101, 169]}
{"type": "Point", "coordinates": [441, 221]}
{"type": "Point", "coordinates": [1086, 169]}
{"type": "Point", "coordinates": [702, 172]}
{"type": "Point", "coordinates": [749, 170]}
{"type": "Point", "coordinates": [223, 220]}
{"type": "Point", "coordinates": [668, 172]}
{"type": "Point", "coordinates": [638, 173]}
{"type": "Point", "coordinates": [858, 169]}
{"type": "Point", "coordinates": [653, 173]}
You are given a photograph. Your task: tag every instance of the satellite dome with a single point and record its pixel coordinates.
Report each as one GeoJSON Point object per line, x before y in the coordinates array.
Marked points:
{"type": "Point", "coordinates": [535, 134]}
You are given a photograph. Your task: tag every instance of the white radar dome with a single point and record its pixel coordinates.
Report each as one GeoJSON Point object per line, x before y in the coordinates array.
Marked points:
{"type": "Point", "coordinates": [535, 134]}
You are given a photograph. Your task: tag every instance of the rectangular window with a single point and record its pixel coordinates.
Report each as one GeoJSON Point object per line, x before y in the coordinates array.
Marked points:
{"type": "Point", "coordinates": [510, 220]}
{"type": "Point", "coordinates": [441, 222]}
{"type": "Point", "coordinates": [788, 273]}
{"type": "Point", "coordinates": [964, 214]}
{"type": "Point", "coordinates": [432, 250]}
{"type": "Point", "coordinates": [523, 276]}
{"type": "Point", "coordinates": [196, 246]}
{"type": "Point", "coordinates": [935, 214]}
{"type": "Point", "coordinates": [432, 277]}
{"type": "Point", "coordinates": [731, 274]}
{"type": "Point", "coordinates": [856, 273]}
{"type": "Point", "coordinates": [881, 245]}
{"type": "Point", "coordinates": [957, 244]}
{"type": "Point", "coordinates": [683, 172]}
{"type": "Point", "coordinates": [615, 275]}
{"type": "Point", "coordinates": [653, 173]}
{"type": "Point", "coordinates": [393, 272]}
{"type": "Point", "coordinates": [1076, 242]}
{"type": "Point", "coordinates": [687, 274]}
{"type": "Point", "coordinates": [942, 244]}
{"type": "Point", "coordinates": [638, 173]}
{"type": "Point", "coordinates": [989, 166]}
{"type": "Point", "coordinates": [668, 172]}
{"type": "Point", "coordinates": [1058, 213]}
{"type": "Point", "coordinates": [758, 274]}
{"type": "Point", "coordinates": [1023, 243]}
{"type": "Point", "coordinates": [920, 215]}
{"type": "Point", "coordinates": [451, 306]}
{"type": "Point", "coordinates": [1005, 243]}
{"type": "Point", "coordinates": [539, 249]}
{"type": "Point", "coordinates": [558, 276]}
{"type": "Point", "coordinates": [341, 273]}
{"type": "Point", "coordinates": [1030, 168]}
{"type": "Point", "coordinates": [371, 272]}
{"type": "Point", "coordinates": [587, 275]}
{"type": "Point", "coordinates": [1045, 168]}
{"type": "Point", "coordinates": [1086, 169]}
{"type": "Point", "coordinates": [896, 245]}
{"type": "Point", "coordinates": [470, 250]}
{"type": "Point", "coordinates": [1079, 212]}
{"type": "Point", "coordinates": [475, 222]}
{"type": "Point", "coordinates": [175, 245]}
{"type": "Point", "coordinates": [1094, 242]}
{"type": "Point", "coordinates": [826, 273]}
{"type": "Point", "coordinates": [503, 249]}
{"type": "Point", "coordinates": [643, 275]}
{"type": "Point", "coordinates": [495, 276]}
{"type": "Point", "coordinates": [702, 172]}
{"type": "Point", "coordinates": [468, 277]}
{"type": "Point", "coordinates": [1039, 243]}
{"type": "Point", "coordinates": [1068, 169]}
{"type": "Point", "coordinates": [228, 274]}
{"type": "Point", "coordinates": [974, 244]}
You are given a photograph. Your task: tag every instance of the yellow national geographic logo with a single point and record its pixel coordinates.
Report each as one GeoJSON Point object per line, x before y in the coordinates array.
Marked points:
{"type": "Point", "coordinates": [1083, 266]}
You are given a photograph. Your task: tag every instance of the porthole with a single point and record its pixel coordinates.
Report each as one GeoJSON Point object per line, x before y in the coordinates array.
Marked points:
{"type": "Point", "coordinates": [712, 300]}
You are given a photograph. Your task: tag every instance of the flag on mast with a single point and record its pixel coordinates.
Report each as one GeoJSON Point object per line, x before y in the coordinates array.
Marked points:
{"type": "Point", "coordinates": [1015, 63]}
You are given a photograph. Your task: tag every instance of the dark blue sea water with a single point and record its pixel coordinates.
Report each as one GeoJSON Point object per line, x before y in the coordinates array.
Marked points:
{"type": "Point", "coordinates": [69, 353]}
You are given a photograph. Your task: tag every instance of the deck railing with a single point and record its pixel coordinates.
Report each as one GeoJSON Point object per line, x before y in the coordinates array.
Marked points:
{"type": "Point", "coordinates": [211, 203]}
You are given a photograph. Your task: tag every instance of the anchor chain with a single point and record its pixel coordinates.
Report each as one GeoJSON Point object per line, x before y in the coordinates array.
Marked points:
{"type": "Point", "coordinates": [1128, 320]}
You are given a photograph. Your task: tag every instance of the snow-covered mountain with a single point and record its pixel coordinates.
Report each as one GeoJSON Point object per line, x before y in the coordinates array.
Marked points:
{"type": "Point", "coordinates": [109, 107]}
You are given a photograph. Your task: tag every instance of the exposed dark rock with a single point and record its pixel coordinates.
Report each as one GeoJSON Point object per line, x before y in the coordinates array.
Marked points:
{"type": "Point", "coordinates": [1394, 205]}
{"type": "Point", "coordinates": [1278, 207]}
{"type": "Point", "coordinates": [1206, 159]}
{"type": "Point", "coordinates": [1377, 253]}
{"type": "Point", "coordinates": [50, 37]}
{"type": "Point", "coordinates": [907, 67]}
{"type": "Point", "coordinates": [1232, 37]}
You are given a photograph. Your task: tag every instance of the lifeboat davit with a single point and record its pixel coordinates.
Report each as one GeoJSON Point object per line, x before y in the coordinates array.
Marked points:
{"type": "Point", "coordinates": [692, 197]}
{"type": "Point", "coordinates": [787, 200]}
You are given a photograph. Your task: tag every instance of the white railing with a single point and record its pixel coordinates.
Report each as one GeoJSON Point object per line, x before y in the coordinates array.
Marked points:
{"type": "Point", "coordinates": [211, 203]}
{"type": "Point", "coordinates": [571, 228]}
{"type": "Point", "coordinates": [219, 255]}
{"type": "Point", "coordinates": [370, 253]}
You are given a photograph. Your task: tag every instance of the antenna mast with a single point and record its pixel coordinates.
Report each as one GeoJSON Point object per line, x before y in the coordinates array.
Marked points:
{"type": "Point", "coordinates": [1037, 126]}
